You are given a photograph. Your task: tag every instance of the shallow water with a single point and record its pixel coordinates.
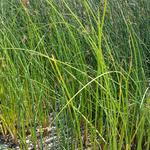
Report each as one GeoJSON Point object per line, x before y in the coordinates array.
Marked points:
{"type": "Point", "coordinates": [3, 146]}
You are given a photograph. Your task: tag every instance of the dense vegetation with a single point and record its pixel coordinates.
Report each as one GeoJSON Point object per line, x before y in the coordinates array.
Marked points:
{"type": "Point", "coordinates": [84, 61]}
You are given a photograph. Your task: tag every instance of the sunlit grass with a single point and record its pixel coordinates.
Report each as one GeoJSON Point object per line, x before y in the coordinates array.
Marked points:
{"type": "Point", "coordinates": [86, 62]}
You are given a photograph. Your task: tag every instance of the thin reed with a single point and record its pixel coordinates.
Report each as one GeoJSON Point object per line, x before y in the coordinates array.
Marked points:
{"type": "Point", "coordinates": [83, 62]}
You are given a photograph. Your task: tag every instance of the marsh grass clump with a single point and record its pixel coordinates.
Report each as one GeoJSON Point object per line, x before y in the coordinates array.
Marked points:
{"type": "Point", "coordinates": [79, 67]}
